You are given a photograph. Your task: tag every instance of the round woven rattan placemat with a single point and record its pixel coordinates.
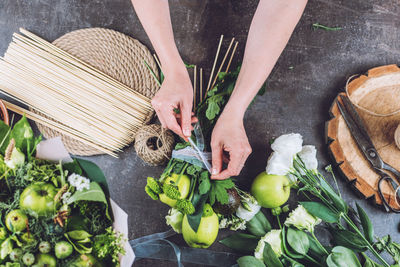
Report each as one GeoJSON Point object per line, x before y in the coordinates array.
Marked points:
{"type": "Point", "coordinates": [115, 54]}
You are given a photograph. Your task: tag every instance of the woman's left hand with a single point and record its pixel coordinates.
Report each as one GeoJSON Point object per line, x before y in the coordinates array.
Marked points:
{"type": "Point", "coordinates": [229, 139]}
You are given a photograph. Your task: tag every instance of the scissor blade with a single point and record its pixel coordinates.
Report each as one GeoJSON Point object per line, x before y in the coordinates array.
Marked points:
{"type": "Point", "coordinates": [364, 143]}
{"type": "Point", "coordinates": [201, 155]}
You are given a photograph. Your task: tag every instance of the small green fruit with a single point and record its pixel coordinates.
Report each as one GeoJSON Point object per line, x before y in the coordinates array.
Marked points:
{"type": "Point", "coordinates": [38, 199]}
{"type": "Point", "coordinates": [63, 249]}
{"type": "Point", "coordinates": [183, 187]}
{"type": "Point", "coordinates": [28, 259]}
{"type": "Point", "coordinates": [44, 247]}
{"type": "Point", "coordinates": [16, 221]}
{"type": "Point", "coordinates": [271, 191]}
{"type": "Point", "coordinates": [16, 254]}
{"type": "Point", "coordinates": [45, 260]}
{"type": "Point", "coordinates": [207, 231]}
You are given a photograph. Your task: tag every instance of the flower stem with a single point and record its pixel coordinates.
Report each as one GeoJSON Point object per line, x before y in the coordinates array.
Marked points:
{"type": "Point", "coordinates": [279, 222]}
{"type": "Point", "coordinates": [319, 243]}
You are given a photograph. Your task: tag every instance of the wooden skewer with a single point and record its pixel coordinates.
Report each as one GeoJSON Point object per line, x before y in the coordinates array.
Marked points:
{"type": "Point", "coordinates": [230, 59]}
{"type": "Point", "coordinates": [157, 61]}
{"type": "Point", "coordinates": [201, 85]}
{"type": "Point", "coordinates": [215, 62]}
{"type": "Point", "coordinates": [194, 88]}
{"type": "Point", "coordinates": [223, 62]}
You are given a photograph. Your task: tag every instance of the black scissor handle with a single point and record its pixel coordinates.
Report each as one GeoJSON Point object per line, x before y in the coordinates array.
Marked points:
{"type": "Point", "coordinates": [395, 186]}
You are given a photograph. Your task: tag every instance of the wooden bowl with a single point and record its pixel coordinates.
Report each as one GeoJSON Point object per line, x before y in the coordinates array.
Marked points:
{"type": "Point", "coordinates": [4, 113]}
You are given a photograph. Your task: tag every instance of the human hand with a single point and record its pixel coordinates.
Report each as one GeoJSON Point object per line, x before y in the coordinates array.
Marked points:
{"type": "Point", "coordinates": [175, 93]}
{"type": "Point", "coordinates": [229, 137]}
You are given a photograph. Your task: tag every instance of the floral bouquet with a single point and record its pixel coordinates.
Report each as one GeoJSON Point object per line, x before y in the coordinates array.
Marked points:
{"type": "Point", "coordinates": [55, 213]}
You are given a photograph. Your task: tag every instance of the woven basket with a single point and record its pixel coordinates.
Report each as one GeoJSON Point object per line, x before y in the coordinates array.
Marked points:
{"type": "Point", "coordinates": [115, 54]}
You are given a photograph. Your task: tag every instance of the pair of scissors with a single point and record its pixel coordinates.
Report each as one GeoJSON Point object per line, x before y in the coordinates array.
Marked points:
{"type": "Point", "coordinates": [363, 140]}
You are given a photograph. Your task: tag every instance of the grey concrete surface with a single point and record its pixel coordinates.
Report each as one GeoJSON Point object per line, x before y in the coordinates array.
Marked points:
{"type": "Point", "coordinates": [311, 71]}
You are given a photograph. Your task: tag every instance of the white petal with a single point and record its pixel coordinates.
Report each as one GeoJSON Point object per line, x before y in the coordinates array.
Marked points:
{"type": "Point", "coordinates": [308, 155]}
{"type": "Point", "coordinates": [279, 164]}
{"type": "Point", "coordinates": [290, 144]}
{"type": "Point", "coordinates": [246, 215]}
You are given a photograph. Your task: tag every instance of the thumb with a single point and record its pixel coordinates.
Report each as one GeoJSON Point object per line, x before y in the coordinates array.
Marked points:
{"type": "Point", "coordinates": [186, 124]}
{"type": "Point", "coordinates": [216, 159]}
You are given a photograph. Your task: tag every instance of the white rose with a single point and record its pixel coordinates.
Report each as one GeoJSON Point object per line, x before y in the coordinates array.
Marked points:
{"type": "Point", "coordinates": [308, 155]}
{"type": "Point", "coordinates": [289, 144]}
{"type": "Point", "coordinates": [302, 220]}
{"type": "Point", "coordinates": [273, 238]}
{"type": "Point", "coordinates": [279, 163]}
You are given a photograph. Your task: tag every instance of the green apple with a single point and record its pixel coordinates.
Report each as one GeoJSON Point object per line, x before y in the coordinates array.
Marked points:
{"type": "Point", "coordinates": [85, 260]}
{"type": "Point", "coordinates": [38, 199]}
{"type": "Point", "coordinates": [45, 260]}
{"type": "Point", "coordinates": [16, 221]}
{"type": "Point", "coordinates": [63, 249]}
{"type": "Point", "coordinates": [270, 191]}
{"type": "Point", "coordinates": [183, 187]}
{"type": "Point", "coordinates": [207, 231]}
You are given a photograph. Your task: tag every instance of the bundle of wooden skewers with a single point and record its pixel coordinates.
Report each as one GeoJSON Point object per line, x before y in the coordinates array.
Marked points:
{"type": "Point", "coordinates": [69, 96]}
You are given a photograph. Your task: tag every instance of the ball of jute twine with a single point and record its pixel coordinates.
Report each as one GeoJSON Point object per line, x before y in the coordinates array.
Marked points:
{"type": "Point", "coordinates": [154, 144]}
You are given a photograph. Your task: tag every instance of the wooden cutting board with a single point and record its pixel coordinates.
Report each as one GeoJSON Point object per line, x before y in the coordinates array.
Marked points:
{"type": "Point", "coordinates": [376, 96]}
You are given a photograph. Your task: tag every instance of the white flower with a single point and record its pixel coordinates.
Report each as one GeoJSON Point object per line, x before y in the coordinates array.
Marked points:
{"type": "Point", "coordinates": [279, 163]}
{"type": "Point", "coordinates": [308, 155]}
{"type": "Point", "coordinates": [223, 223]}
{"type": "Point", "coordinates": [273, 238]}
{"type": "Point", "coordinates": [17, 159]}
{"type": "Point", "coordinates": [79, 182]}
{"type": "Point", "coordinates": [249, 210]}
{"type": "Point", "coordinates": [302, 220]}
{"type": "Point", "coordinates": [174, 219]}
{"type": "Point", "coordinates": [65, 197]}
{"type": "Point", "coordinates": [289, 144]}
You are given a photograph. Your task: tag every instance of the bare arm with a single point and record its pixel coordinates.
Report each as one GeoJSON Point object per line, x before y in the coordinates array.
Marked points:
{"type": "Point", "coordinates": [270, 30]}
{"type": "Point", "coordinates": [176, 90]}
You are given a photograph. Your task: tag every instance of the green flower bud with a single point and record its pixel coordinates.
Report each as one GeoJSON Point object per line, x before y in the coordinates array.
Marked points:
{"type": "Point", "coordinates": [185, 206]}
{"type": "Point", "coordinates": [154, 185]}
{"type": "Point", "coordinates": [151, 193]}
{"type": "Point", "coordinates": [171, 191]}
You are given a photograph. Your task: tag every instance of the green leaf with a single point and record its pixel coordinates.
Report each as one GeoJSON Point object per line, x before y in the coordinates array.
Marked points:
{"type": "Point", "coordinates": [23, 136]}
{"type": "Point", "coordinates": [79, 235]}
{"type": "Point", "coordinates": [212, 110]}
{"type": "Point", "coordinates": [370, 263]}
{"type": "Point", "coordinates": [94, 193]}
{"type": "Point", "coordinates": [338, 202]}
{"type": "Point", "coordinates": [198, 202]}
{"type": "Point", "coordinates": [218, 191]}
{"type": "Point", "coordinates": [366, 224]}
{"type": "Point", "coordinates": [179, 146]}
{"type": "Point", "coordinates": [321, 211]}
{"type": "Point", "coordinates": [79, 247]}
{"type": "Point", "coordinates": [205, 184]}
{"type": "Point", "coordinates": [270, 257]}
{"type": "Point", "coordinates": [5, 248]}
{"type": "Point", "coordinates": [72, 167]}
{"type": "Point", "coordinates": [315, 250]}
{"type": "Point", "coordinates": [298, 241]}
{"type": "Point", "coordinates": [348, 239]}
{"type": "Point", "coordinates": [249, 261]}
{"type": "Point", "coordinates": [94, 173]}
{"type": "Point", "coordinates": [258, 225]}
{"type": "Point", "coordinates": [286, 248]}
{"type": "Point", "coordinates": [342, 256]}
{"type": "Point", "coordinates": [289, 262]}
{"type": "Point", "coordinates": [241, 242]}
{"type": "Point", "coordinates": [5, 132]}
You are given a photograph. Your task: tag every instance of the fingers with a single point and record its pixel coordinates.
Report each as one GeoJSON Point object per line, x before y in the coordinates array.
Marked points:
{"type": "Point", "coordinates": [186, 113]}
{"type": "Point", "coordinates": [236, 162]}
{"type": "Point", "coordinates": [216, 156]}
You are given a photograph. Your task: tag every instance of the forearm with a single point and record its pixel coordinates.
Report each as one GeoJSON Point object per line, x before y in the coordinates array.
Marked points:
{"type": "Point", "coordinates": [270, 30]}
{"type": "Point", "coordinates": [155, 18]}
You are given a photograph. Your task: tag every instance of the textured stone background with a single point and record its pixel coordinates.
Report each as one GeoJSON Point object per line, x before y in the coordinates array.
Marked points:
{"type": "Point", "coordinates": [297, 100]}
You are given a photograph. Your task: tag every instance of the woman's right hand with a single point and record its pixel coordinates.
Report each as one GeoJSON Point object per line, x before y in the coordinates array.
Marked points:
{"type": "Point", "coordinates": [176, 92]}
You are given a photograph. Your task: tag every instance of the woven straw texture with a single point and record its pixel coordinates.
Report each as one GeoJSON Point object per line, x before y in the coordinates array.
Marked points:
{"type": "Point", "coordinates": [115, 54]}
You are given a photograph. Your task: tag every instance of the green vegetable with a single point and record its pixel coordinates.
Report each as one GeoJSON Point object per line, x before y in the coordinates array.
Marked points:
{"type": "Point", "coordinates": [44, 247]}
{"type": "Point", "coordinates": [185, 206]}
{"type": "Point", "coordinates": [15, 254]}
{"type": "Point", "coordinates": [174, 219]}
{"type": "Point", "coordinates": [63, 249]}
{"type": "Point", "coordinates": [171, 191]}
{"type": "Point", "coordinates": [151, 193]}
{"type": "Point", "coordinates": [154, 185]}
{"type": "Point", "coordinates": [28, 259]}
{"type": "Point", "coordinates": [45, 260]}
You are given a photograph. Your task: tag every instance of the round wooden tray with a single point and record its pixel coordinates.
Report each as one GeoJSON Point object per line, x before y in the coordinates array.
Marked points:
{"type": "Point", "coordinates": [376, 96]}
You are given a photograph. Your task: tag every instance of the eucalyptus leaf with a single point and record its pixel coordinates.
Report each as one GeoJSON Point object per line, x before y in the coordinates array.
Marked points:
{"type": "Point", "coordinates": [198, 202]}
{"type": "Point", "coordinates": [321, 211]}
{"type": "Point", "coordinates": [270, 258]}
{"type": "Point", "coordinates": [348, 239]}
{"type": "Point", "coordinates": [298, 241]}
{"type": "Point", "coordinates": [241, 242]}
{"type": "Point", "coordinates": [338, 202]}
{"type": "Point", "coordinates": [366, 224]}
{"type": "Point", "coordinates": [342, 256]}
{"type": "Point", "coordinates": [249, 261]}
{"type": "Point", "coordinates": [258, 225]}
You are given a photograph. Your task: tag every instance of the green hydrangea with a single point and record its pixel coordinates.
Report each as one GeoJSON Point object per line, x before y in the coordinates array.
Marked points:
{"type": "Point", "coordinates": [171, 191]}
{"type": "Point", "coordinates": [185, 206]}
{"type": "Point", "coordinates": [154, 185]}
{"type": "Point", "coordinates": [151, 193]}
